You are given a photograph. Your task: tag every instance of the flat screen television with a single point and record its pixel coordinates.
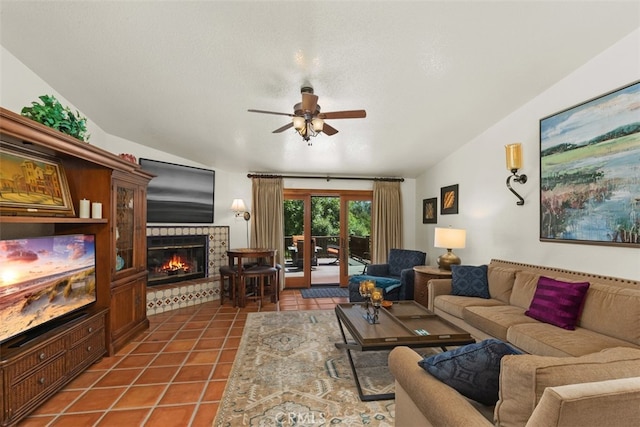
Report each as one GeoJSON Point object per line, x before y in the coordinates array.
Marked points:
{"type": "Point", "coordinates": [178, 193]}
{"type": "Point", "coordinates": [43, 282]}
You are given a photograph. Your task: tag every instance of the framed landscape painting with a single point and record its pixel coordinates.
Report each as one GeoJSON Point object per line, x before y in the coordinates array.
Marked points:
{"type": "Point", "coordinates": [32, 184]}
{"type": "Point", "coordinates": [430, 211]}
{"type": "Point", "coordinates": [590, 171]}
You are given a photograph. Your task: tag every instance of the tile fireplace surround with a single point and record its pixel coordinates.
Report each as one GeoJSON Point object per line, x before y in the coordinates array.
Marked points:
{"type": "Point", "coordinates": [172, 296]}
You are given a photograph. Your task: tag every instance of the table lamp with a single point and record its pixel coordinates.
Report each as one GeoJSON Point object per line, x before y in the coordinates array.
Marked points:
{"type": "Point", "coordinates": [449, 238]}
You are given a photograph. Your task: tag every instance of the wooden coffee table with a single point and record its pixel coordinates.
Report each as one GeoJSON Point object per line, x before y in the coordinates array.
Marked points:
{"type": "Point", "coordinates": [405, 323]}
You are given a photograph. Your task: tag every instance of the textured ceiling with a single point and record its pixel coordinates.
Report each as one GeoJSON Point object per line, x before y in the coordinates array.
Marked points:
{"type": "Point", "coordinates": [180, 76]}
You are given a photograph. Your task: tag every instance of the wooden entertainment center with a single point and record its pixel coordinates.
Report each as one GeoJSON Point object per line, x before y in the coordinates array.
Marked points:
{"type": "Point", "coordinates": [34, 371]}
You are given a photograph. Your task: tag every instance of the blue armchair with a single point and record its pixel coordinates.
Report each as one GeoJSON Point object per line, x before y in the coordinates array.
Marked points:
{"type": "Point", "coordinates": [399, 266]}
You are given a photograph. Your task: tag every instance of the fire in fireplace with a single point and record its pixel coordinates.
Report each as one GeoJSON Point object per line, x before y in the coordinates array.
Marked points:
{"type": "Point", "coordinates": [175, 258]}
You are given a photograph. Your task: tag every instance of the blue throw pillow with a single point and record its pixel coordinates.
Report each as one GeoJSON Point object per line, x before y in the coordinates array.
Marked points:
{"type": "Point", "coordinates": [473, 370]}
{"type": "Point", "coordinates": [469, 281]}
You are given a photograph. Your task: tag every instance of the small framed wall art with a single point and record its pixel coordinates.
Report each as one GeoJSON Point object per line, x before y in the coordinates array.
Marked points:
{"type": "Point", "coordinates": [33, 184]}
{"type": "Point", "coordinates": [449, 200]}
{"type": "Point", "coordinates": [430, 211]}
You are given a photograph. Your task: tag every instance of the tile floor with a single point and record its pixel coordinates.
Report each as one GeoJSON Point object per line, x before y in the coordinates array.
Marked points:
{"type": "Point", "coordinates": [172, 375]}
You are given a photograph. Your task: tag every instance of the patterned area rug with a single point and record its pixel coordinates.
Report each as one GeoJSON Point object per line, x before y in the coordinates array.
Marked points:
{"type": "Point", "coordinates": [325, 292]}
{"type": "Point", "coordinates": [289, 373]}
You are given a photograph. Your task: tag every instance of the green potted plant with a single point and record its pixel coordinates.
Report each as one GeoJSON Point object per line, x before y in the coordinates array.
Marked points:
{"type": "Point", "coordinates": [51, 113]}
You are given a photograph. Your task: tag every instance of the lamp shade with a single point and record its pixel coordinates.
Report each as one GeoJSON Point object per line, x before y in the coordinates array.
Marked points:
{"type": "Point", "coordinates": [299, 123]}
{"type": "Point", "coordinates": [238, 205]}
{"type": "Point", "coordinates": [449, 238]}
{"type": "Point", "coordinates": [514, 156]}
{"type": "Point", "coordinates": [317, 124]}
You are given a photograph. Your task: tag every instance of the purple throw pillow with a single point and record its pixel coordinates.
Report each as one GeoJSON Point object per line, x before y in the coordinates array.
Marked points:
{"type": "Point", "coordinates": [558, 303]}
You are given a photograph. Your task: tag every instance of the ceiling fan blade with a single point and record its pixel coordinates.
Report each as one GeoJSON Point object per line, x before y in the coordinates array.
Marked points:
{"type": "Point", "coordinates": [309, 102]}
{"type": "Point", "coordinates": [329, 130]}
{"type": "Point", "coordinates": [270, 112]}
{"type": "Point", "coordinates": [283, 128]}
{"type": "Point", "coordinates": [349, 114]}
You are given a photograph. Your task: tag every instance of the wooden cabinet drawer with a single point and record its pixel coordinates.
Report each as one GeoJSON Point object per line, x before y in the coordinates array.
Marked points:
{"type": "Point", "coordinates": [39, 382]}
{"type": "Point", "coordinates": [34, 360]}
{"type": "Point", "coordinates": [86, 352]}
{"type": "Point", "coordinates": [85, 329]}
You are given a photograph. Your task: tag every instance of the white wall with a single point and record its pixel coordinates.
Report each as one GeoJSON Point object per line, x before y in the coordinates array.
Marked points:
{"type": "Point", "coordinates": [496, 226]}
{"type": "Point", "coordinates": [19, 86]}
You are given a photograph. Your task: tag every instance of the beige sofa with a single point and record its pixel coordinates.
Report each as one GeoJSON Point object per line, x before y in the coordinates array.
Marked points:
{"type": "Point", "coordinates": [588, 376]}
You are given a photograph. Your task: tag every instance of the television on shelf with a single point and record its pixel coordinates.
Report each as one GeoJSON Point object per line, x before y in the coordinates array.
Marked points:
{"type": "Point", "coordinates": [44, 282]}
{"type": "Point", "coordinates": [178, 193]}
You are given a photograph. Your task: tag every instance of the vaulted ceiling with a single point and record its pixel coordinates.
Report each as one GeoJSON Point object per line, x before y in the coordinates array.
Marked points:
{"type": "Point", "coordinates": [179, 76]}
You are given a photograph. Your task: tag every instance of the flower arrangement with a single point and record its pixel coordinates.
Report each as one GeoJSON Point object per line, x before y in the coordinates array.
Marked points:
{"type": "Point", "coordinates": [51, 113]}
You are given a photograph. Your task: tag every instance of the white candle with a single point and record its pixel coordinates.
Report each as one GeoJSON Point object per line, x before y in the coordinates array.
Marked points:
{"type": "Point", "coordinates": [96, 210]}
{"type": "Point", "coordinates": [84, 208]}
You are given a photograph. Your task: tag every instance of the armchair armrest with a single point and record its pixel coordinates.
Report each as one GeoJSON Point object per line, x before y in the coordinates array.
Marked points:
{"type": "Point", "coordinates": [418, 393]}
{"type": "Point", "coordinates": [594, 403]}
{"type": "Point", "coordinates": [380, 270]}
{"type": "Point", "coordinates": [407, 279]}
{"type": "Point", "coordinates": [438, 287]}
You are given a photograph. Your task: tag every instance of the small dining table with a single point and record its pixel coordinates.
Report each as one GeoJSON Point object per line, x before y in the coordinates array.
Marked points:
{"type": "Point", "coordinates": [236, 257]}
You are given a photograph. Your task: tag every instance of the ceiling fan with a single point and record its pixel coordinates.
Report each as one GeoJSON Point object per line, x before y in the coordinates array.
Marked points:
{"type": "Point", "coordinates": [307, 119]}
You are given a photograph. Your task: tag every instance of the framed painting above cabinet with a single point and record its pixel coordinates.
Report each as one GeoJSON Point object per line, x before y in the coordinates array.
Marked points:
{"type": "Point", "coordinates": [32, 184]}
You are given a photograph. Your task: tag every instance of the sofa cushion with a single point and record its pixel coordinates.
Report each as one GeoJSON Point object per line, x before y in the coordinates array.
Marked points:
{"type": "Point", "coordinates": [500, 282]}
{"type": "Point", "coordinates": [557, 302]}
{"type": "Point", "coordinates": [495, 320]}
{"type": "Point", "coordinates": [613, 311]}
{"type": "Point", "coordinates": [524, 378]}
{"type": "Point", "coordinates": [469, 281]}
{"type": "Point", "coordinates": [455, 305]}
{"type": "Point", "coordinates": [473, 370]}
{"type": "Point", "coordinates": [524, 286]}
{"type": "Point", "coordinates": [548, 340]}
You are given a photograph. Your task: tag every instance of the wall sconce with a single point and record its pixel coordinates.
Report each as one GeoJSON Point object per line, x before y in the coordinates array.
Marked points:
{"type": "Point", "coordinates": [449, 238]}
{"type": "Point", "coordinates": [240, 209]}
{"type": "Point", "coordinates": [514, 162]}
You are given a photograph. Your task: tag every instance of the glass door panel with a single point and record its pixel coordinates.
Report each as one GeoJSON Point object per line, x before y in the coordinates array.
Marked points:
{"type": "Point", "coordinates": [355, 236]}
{"type": "Point", "coordinates": [325, 239]}
{"type": "Point", "coordinates": [296, 208]}
{"type": "Point", "coordinates": [125, 227]}
{"type": "Point", "coordinates": [337, 223]}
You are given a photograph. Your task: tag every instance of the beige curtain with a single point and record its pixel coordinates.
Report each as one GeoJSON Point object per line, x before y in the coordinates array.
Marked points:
{"type": "Point", "coordinates": [386, 228]}
{"type": "Point", "coordinates": [267, 217]}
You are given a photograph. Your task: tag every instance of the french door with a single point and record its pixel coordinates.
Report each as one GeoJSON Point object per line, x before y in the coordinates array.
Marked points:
{"type": "Point", "coordinates": [327, 236]}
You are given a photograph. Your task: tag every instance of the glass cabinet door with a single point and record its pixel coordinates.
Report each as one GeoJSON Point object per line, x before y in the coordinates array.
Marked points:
{"type": "Point", "coordinates": [125, 227]}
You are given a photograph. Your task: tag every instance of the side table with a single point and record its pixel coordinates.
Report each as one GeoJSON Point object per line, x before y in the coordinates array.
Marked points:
{"type": "Point", "coordinates": [424, 273]}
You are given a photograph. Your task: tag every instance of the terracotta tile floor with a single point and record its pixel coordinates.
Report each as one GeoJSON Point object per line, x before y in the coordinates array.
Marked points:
{"type": "Point", "coordinates": [172, 375]}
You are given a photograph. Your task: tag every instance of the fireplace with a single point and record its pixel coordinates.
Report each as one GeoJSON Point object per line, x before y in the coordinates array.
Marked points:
{"type": "Point", "coordinates": [176, 258]}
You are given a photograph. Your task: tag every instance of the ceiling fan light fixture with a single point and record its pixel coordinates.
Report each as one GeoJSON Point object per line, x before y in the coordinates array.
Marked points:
{"type": "Point", "coordinates": [299, 123]}
{"type": "Point", "coordinates": [317, 124]}
{"type": "Point", "coordinates": [307, 120]}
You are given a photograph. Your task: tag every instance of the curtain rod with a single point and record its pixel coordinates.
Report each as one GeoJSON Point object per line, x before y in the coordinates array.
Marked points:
{"type": "Point", "coordinates": [328, 178]}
